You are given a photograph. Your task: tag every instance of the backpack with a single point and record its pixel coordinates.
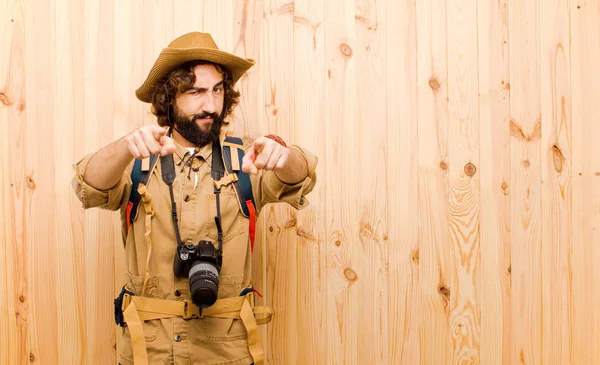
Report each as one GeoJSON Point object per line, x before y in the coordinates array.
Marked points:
{"type": "Point", "coordinates": [232, 155]}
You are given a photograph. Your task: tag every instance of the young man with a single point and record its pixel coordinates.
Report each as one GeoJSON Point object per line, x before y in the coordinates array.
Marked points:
{"type": "Point", "coordinates": [189, 296]}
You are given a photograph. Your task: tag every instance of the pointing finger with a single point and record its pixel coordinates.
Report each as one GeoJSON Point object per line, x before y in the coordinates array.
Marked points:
{"type": "Point", "coordinates": [157, 132]}
{"type": "Point", "coordinates": [248, 164]}
{"type": "Point", "coordinates": [168, 146]}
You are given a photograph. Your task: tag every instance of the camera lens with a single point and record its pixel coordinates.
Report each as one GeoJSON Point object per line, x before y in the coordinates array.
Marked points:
{"type": "Point", "coordinates": [204, 283]}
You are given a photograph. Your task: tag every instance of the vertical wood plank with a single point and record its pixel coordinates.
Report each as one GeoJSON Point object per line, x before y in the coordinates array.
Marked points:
{"type": "Point", "coordinates": [40, 229]}
{"type": "Point", "coordinates": [494, 157]}
{"type": "Point", "coordinates": [525, 128]}
{"type": "Point", "coordinates": [464, 181]}
{"type": "Point", "coordinates": [157, 26]}
{"type": "Point", "coordinates": [556, 167]}
{"type": "Point", "coordinates": [69, 59]}
{"type": "Point", "coordinates": [100, 250]}
{"type": "Point", "coordinates": [370, 158]}
{"type": "Point", "coordinates": [14, 278]}
{"type": "Point", "coordinates": [309, 127]}
{"type": "Point", "coordinates": [248, 27]}
{"type": "Point", "coordinates": [279, 111]}
{"type": "Point", "coordinates": [129, 66]}
{"type": "Point", "coordinates": [399, 25]}
{"type": "Point", "coordinates": [127, 115]}
{"type": "Point", "coordinates": [434, 255]}
{"type": "Point", "coordinates": [217, 19]}
{"type": "Point", "coordinates": [585, 51]}
{"type": "Point", "coordinates": [342, 210]}
{"type": "Point", "coordinates": [248, 33]}
{"type": "Point", "coordinates": [187, 17]}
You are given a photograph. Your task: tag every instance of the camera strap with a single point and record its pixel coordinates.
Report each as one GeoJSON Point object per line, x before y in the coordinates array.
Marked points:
{"type": "Point", "coordinates": [168, 175]}
{"type": "Point", "coordinates": [217, 171]}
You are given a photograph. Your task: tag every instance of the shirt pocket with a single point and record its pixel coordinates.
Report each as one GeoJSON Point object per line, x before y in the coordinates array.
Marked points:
{"type": "Point", "coordinates": [232, 221]}
{"type": "Point", "coordinates": [226, 329]}
{"type": "Point", "coordinates": [135, 285]}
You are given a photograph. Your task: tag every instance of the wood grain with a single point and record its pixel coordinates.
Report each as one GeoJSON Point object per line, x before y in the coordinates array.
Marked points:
{"type": "Point", "coordinates": [370, 242]}
{"type": "Point", "coordinates": [399, 24]}
{"type": "Point", "coordinates": [455, 216]}
{"type": "Point", "coordinates": [434, 250]}
{"type": "Point", "coordinates": [14, 278]}
{"type": "Point", "coordinates": [311, 228]}
{"type": "Point", "coordinates": [69, 259]}
{"type": "Point", "coordinates": [495, 182]}
{"type": "Point", "coordinates": [556, 168]}
{"type": "Point", "coordinates": [39, 168]}
{"type": "Point", "coordinates": [585, 215]}
{"type": "Point", "coordinates": [277, 117]}
{"type": "Point", "coordinates": [342, 209]}
{"type": "Point", "coordinates": [463, 181]}
{"type": "Point", "coordinates": [525, 126]}
{"type": "Point", "coordinates": [248, 29]}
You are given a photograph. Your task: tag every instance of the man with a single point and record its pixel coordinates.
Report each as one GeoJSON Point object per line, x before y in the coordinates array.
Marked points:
{"type": "Point", "coordinates": [167, 307]}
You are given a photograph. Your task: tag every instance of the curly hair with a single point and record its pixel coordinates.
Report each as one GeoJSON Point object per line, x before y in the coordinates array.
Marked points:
{"type": "Point", "coordinates": [183, 78]}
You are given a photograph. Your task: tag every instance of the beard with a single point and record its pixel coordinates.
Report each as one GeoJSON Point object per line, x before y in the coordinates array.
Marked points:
{"type": "Point", "coordinates": [187, 127]}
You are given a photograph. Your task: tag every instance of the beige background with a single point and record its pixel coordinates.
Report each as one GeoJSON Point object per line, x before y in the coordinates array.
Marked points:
{"type": "Point", "coordinates": [456, 219]}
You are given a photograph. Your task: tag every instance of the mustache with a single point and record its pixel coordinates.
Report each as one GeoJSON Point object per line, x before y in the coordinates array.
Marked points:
{"type": "Point", "coordinates": [205, 115]}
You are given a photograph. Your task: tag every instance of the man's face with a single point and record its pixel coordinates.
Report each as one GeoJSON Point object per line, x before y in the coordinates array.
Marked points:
{"type": "Point", "coordinates": [198, 110]}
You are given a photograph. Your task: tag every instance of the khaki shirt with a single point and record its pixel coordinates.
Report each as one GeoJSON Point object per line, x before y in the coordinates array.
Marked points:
{"type": "Point", "coordinates": [195, 341]}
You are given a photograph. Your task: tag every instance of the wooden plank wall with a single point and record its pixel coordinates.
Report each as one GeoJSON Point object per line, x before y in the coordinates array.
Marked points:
{"type": "Point", "coordinates": [456, 219]}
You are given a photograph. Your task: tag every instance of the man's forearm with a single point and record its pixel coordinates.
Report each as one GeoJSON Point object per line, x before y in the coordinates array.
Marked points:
{"type": "Point", "coordinates": [296, 169]}
{"type": "Point", "coordinates": [106, 166]}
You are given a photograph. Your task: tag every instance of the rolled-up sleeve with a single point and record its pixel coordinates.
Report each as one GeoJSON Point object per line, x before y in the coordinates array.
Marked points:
{"type": "Point", "coordinates": [90, 197]}
{"type": "Point", "coordinates": [271, 189]}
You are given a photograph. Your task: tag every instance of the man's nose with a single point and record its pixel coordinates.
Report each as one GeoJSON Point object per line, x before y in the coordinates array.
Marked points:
{"type": "Point", "coordinates": [209, 104]}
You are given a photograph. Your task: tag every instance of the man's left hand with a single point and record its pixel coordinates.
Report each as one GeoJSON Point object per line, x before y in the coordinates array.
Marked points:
{"type": "Point", "coordinates": [265, 154]}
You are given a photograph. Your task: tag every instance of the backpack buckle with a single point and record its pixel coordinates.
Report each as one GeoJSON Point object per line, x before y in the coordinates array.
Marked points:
{"type": "Point", "coordinates": [190, 310]}
{"type": "Point", "coordinates": [118, 302]}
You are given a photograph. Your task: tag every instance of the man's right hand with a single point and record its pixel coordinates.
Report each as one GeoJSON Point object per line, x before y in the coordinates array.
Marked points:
{"type": "Point", "coordinates": [149, 140]}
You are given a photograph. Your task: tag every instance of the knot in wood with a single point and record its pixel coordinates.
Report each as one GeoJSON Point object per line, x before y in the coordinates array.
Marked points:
{"type": "Point", "coordinates": [30, 183]}
{"type": "Point", "coordinates": [346, 50]}
{"type": "Point", "coordinates": [557, 158]}
{"type": "Point", "coordinates": [470, 169]}
{"type": "Point", "coordinates": [434, 84]}
{"type": "Point", "coordinates": [444, 291]}
{"type": "Point", "coordinates": [504, 188]}
{"type": "Point", "coordinates": [415, 257]}
{"type": "Point", "coordinates": [4, 99]}
{"type": "Point", "coordinates": [350, 274]}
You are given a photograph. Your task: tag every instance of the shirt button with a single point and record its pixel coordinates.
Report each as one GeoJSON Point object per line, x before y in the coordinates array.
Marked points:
{"type": "Point", "coordinates": [177, 292]}
{"type": "Point", "coordinates": [177, 338]}
{"type": "Point", "coordinates": [186, 198]}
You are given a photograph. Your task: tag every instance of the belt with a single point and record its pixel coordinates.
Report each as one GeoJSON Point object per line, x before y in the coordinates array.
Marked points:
{"type": "Point", "coordinates": [138, 309]}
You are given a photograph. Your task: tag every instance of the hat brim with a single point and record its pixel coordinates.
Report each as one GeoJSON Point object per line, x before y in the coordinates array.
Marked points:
{"type": "Point", "coordinates": [169, 59]}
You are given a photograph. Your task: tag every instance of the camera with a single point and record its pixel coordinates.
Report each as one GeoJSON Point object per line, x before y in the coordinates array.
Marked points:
{"type": "Point", "coordinates": [202, 264]}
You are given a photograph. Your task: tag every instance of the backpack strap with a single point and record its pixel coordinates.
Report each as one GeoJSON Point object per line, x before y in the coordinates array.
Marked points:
{"type": "Point", "coordinates": [139, 174]}
{"type": "Point", "coordinates": [233, 154]}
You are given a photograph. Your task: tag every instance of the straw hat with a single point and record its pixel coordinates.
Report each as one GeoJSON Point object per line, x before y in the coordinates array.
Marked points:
{"type": "Point", "coordinates": [190, 47]}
